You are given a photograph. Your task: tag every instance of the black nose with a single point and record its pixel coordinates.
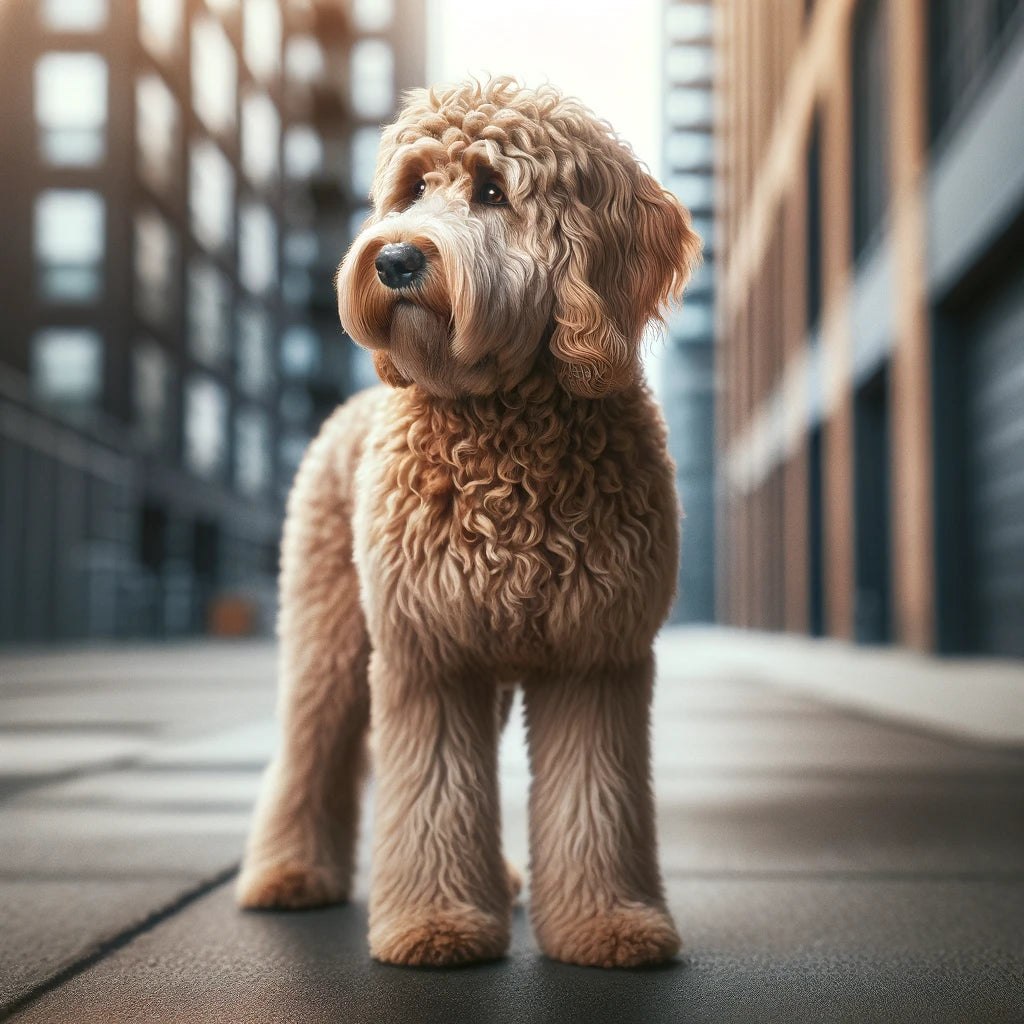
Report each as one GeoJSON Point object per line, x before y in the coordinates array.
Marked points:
{"type": "Point", "coordinates": [400, 264]}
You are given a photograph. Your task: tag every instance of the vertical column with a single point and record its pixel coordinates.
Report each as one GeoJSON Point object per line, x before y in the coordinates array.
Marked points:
{"type": "Point", "coordinates": [910, 400]}
{"type": "Point", "coordinates": [794, 502]}
{"type": "Point", "coordinates": [836, 342]}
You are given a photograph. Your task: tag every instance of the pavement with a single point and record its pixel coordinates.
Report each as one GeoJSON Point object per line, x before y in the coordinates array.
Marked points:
{"type": "Point", "coordinates": [822, 864]}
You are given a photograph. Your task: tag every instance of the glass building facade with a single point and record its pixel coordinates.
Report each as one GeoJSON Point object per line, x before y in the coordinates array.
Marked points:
{"type": "Point", "coordinates": [688, 374]}
{"type": "Point", "coordinates": [188, 179]}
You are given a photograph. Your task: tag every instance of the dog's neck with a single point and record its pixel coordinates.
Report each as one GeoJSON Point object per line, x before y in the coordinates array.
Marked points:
{"type": "Point", "coordinates": [538, 396]}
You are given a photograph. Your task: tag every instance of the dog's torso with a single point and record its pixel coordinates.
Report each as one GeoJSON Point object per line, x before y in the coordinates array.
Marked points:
{"type": "Point", "coordinates": [515, 534]}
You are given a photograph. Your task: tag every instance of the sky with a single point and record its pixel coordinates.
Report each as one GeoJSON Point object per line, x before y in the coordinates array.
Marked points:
{"type": "Point", "coordinates": [607, 53]}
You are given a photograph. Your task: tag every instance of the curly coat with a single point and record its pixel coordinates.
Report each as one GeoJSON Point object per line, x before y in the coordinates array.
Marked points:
{"type": "Point", "coordinates": [502, 514]}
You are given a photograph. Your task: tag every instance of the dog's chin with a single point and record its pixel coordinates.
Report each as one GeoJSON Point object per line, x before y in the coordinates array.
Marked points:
{"type": "Point", "coordinates": [420, 346]}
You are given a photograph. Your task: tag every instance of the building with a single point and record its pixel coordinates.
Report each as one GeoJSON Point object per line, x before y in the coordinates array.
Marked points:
{"type": "Point", "coordinates": [183, 186]}
{"type": "Point", "coordinates": [870, 320]}
{"type": "Point", "coordinates": [687, 377]}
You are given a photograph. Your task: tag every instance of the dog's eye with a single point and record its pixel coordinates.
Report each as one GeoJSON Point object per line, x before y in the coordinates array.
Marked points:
{"type": "Point", "coordinates": [492, 195]}
{"type": "Point", "coordinates": [419, 188]}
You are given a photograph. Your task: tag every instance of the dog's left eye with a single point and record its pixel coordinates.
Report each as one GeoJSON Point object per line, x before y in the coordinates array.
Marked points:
{"type": "Point", "coordinates": [492, 195]}
{"type": "Point", "coordinates": [418, 189]}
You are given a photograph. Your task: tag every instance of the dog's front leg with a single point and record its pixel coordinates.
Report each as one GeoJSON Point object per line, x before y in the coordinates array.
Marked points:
{"type": "Point", "coordinates": [596, 892]}
{"type": "Point", "coordinates": [439, 892]}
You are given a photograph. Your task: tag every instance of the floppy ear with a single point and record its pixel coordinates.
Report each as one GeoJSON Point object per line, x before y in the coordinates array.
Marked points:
{"type": "Point", "coordinates": [625, 252]}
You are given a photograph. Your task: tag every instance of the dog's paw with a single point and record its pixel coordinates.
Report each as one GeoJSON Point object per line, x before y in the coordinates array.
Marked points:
{"type": "Point", "coordinates": [515, 880]}
{"type": "Point", "coordinates": [442, 938]}
{"type": "Point", "coordinates": [289, 886]}
{"type": "Point", "coordinates": [629, 936]}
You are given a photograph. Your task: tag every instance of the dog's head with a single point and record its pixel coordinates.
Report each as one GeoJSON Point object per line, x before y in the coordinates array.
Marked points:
{"type": "Point", "coordinates": [506, 220]}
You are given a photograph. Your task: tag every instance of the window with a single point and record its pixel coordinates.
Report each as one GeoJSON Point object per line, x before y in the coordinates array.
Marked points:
{"type": "Point", "coordinates": [301, 248]}
{"type": "Point", "coordinates": [705, 227]}
{"type": "Point", "coordinates": [152, 394]}
{"type": "Point", "coordinates": [372, 15]}
{"type": "Point", "coordinates": [261, 138]}
{"type": "Point", "coordinates": [296, 287]}
{"type": "Point", "coordinates": [257, 247]}
{"type": "Point", "coordinates": [694, 319]}
{"type": "Point", "coordinates": [71, 108]}
{"type": "Point", "coordinates": [300, 352]}
{"type": "Point", "coordinates": [372, 86]}
{"type": "Point", "coordinates": [357, 220]}
{"type": "Point", "coordinates": [688, 21]}
{"type": "Point", "coordinates": [160, 23]}
{"type": "Point", "coordinates": [74, 15]}
{"type": "Point", "coordinates": [870, 122]}
{"type": "Point", "coordinates": [69, 244]}
{"type": "Point", "coordinates": [695, 191]}
{"type": "Point", "coordinates": [211, 196]}
{"type": "Point", "coordinates": [205, 408]}
{"type": "Point", "coordinates": [209, 311]}
{"type": "Point", "coordinates": [214, 75]}
{"type": "Point", "coordinates": [158, 132]}
{"type": "Point", "coordinates": [252, 451]}
{"type": "Point", "coordinates": [690, 150]}
{"type": "Point", "coordinates": [291, 448]}
{"type": "Point", "coordinates": [303, 152]}
{"type": "Point", "coordinates": [67, 365]}
{"type": "Point", "coordinates": [365, 145]}
{"type": "Point", "coordinates": [303, 59]}
{"type": "Point", "coordinates": [689, 64]}
{"type": "Point", "coordinates": [253, 357]}
{"type": "Point", "coordinates": [689, 107]}
{"type": "Point", "coordinates": [261, 38]}
{"type": "Point", "coordinates": [295, 405]}
{"type": "Point", "coordinates": [156, 262]}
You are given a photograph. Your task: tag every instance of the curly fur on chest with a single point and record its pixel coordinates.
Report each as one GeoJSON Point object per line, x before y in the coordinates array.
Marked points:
{"type": "Point", "coordinates": [525, 513]}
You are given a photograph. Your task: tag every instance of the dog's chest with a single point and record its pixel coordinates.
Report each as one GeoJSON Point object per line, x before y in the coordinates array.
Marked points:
{"type": "Point", "coordinates": [531, 533]}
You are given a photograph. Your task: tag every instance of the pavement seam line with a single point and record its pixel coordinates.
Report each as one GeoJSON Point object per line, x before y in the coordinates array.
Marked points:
{"type": "Point", "coordinates": [107, 946]}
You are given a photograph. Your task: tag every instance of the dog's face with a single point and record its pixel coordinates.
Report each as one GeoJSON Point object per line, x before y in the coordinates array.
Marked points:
{"type": "Point", "coordinates": [506, 220]}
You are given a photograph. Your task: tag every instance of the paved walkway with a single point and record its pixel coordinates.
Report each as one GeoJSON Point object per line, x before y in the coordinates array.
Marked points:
{"type": "Point", "coordinates": [822, 865]}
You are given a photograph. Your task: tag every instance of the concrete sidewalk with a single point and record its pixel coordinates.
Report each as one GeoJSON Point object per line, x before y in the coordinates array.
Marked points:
{"type": "Point", "coordinates": [822, 865]}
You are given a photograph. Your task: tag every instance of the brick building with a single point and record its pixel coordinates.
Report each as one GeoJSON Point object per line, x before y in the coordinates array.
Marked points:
{"type": "Point", "coordinates": [870, 320]}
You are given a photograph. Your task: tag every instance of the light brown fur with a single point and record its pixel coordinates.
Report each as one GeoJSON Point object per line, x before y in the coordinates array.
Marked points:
{"type": "Point", "coordinates": [506, 511]}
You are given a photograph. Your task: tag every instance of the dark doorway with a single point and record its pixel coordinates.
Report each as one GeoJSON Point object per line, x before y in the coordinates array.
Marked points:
{"type": "Point", "coordinates": [815, 560]}
{"type": "Point", "coordinates": [206, 568]}
{"type": "Point", "coordinates": [873, 607]}
{"type": "Point", "coordinates": [993, 447]}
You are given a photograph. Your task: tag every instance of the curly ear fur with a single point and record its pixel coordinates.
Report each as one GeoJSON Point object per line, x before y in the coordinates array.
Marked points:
{"type": "Point", "coordinates": [626, 250]}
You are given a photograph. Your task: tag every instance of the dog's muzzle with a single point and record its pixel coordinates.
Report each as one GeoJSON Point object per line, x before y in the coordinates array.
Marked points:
{"type": "Point", "coordinates": [400, 265]}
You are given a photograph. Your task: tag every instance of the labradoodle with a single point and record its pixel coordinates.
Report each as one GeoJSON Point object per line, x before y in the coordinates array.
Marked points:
{"type": "Point", "coordinates": [501, 514]}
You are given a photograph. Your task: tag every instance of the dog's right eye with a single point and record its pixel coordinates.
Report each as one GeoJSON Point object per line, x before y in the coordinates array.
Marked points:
{"type": "Point", "coordinates": [418, 189]}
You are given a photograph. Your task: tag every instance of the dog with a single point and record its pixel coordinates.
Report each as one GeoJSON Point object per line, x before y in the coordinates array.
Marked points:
{"type": "Point", "coordinates": [502, 513]}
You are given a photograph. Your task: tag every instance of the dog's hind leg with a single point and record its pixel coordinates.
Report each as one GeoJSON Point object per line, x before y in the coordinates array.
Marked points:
{"type": "Point", "coordinates": [301, 849]}
{"type": "Point", "coordinates": [596, 893]}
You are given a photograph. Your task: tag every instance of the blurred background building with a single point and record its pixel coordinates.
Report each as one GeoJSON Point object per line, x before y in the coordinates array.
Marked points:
{"type": "Point", "coordinates": [180, 180]}
{"type": "Point", "coordinates": [870, 320]}
{"type": "Point", "coordinates": [687, 368]}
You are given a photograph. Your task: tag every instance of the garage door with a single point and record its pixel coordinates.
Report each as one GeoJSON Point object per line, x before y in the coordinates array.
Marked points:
{"type": "Point", "coordinates": [994, 418]}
